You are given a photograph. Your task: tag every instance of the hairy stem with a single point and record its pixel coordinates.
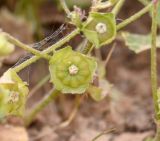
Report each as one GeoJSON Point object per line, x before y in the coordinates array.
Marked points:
{"type": "Point", "coordinates": [74, 33]}
{"type": "Point", "coordinates": [48, 50]}
{"type": "Point", "coordinates": [25, 47]}
{"type": "Point", "coordinates": [154, 66]}
{"type": "Point", "coordinates": [135, 16]}
{"type": "Point", "coordinates": [65, 7]}
{"type": "Point", "coordinates": [118, 7]}
{"type": "Point", "coordinates": [144, 2]}
{"type": "Point", "coordinates": [154, 59]}
{"type": "Point", "coordinates": [52, 94]}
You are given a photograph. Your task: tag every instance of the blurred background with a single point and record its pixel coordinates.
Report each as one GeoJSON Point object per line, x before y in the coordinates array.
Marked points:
{"type": "Point", "coordinates": [128, 106]}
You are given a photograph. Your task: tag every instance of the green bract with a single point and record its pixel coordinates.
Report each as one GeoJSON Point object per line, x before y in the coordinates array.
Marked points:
{"type": "Point", "coordinates": [100, 28]}
{"type": "Point", "coordinates": [71, 72]}
{"type": "Point", "coordinates": [76, 19]}
{"type": "Point", "coordinates": [13, 93]}
{"type": "Point", "coordinates": [5, 47]}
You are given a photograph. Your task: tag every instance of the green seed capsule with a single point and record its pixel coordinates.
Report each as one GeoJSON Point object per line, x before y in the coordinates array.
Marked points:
{"type": "Point", "coordinates": [84, 72]}
{"type": "Point", "coordinates": [80, 79]}
{"type": "Point", "coordinates": [71, 72]}
{"type": "Point", "coordinates": [61, 75]}
{"type": "Point", "coordinates": [13, 94]}
{"type": "Point", "coordinates": [66, 80]}
{"type": "Point", "coordinates": [100, 28]}
{"type": "Point", "coordinates": [74, 82]}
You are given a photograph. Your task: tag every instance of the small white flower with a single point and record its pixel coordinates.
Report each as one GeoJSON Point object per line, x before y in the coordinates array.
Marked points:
{"type": "Point", "coordinates": [73, 69]}
{"type": "Point", "coordinates": [101, 28]}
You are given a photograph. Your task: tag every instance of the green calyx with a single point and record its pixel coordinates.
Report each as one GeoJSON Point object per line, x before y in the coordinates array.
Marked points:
{"type": "Point", "coordinates": [13, 94]}
{"type": "Point", "coordinates": [100, 28]}
{"type": "Point", "coordinates": [76, 19]}
{"type": "Point", "coordinates": [5, 47]}
{"type": "Point", "coordinates": [71, 72]}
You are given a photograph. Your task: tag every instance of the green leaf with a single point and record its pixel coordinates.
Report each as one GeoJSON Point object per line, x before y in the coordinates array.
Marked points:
{"type": "Point", "coordinates": [95, 93]}
{"type": "Point", "coordinates": [138, 43]}
{"type": "Point", "coordinates": [100, 92]}
{"type": "Point", "coordinates": [92, 37]}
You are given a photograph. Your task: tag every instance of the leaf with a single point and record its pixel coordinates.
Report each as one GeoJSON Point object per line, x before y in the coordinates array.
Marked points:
{"type": "Point", "coordinates": [137, 42]}
{"type": "Point", "coordinates": [95, 93]}
{"type": "Point", "coordinates": [92, 37]}
{"type": "Point", "coordinates": [100, 92]}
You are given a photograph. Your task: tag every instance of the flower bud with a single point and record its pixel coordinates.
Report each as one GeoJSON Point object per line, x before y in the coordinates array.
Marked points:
{"type": "Point", "coordinates": [13, 93]}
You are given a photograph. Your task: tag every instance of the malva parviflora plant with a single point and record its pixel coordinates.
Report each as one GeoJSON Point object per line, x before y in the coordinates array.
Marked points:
{"type": "Point", "coordinates": [71, 71]}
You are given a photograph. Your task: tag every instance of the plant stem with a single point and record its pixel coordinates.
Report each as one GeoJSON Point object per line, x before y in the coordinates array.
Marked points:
{"type": "Point", "coordinates": [135, 16]}
{"type": "Point", "coordinates": [144, 2]}
{"type": "Point", "coordinates": [154, 59]}
{"type": "Point", "coordinates": [48, 50]}
{"type": "Point", "coordinates": [65, 7]}
{"type": "Point", "coordinates": [109, 55]}
{"type": "Point", "coordinates": [73, 113]}
{"type": "Point", "coordinates": [154, 66]}
{"type": "Point", "coordinates": [118, 7]}
{"type": "Point", "coordinates": [52, 94]}
{"type": "Point", "coordinates": [103, 133]}
{"type": "Point", "coordinates": [25, 47]}
{"type": "Point", "coordinates": [39, 84]}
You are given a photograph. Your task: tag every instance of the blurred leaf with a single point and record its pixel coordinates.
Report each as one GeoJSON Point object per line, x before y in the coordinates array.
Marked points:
{"type": "Point", "coordinates": [100, 92]}
{"type": "Point", "coordinates": [29, 10]}
{"type": "Point", "coordinates": [95, 93]}
{"type": "Point", "coordinates": [138, 43]}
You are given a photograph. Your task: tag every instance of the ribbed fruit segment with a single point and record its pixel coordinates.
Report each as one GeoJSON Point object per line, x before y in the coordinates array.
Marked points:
{"type": "Point", "coordinates": [71, 72]}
